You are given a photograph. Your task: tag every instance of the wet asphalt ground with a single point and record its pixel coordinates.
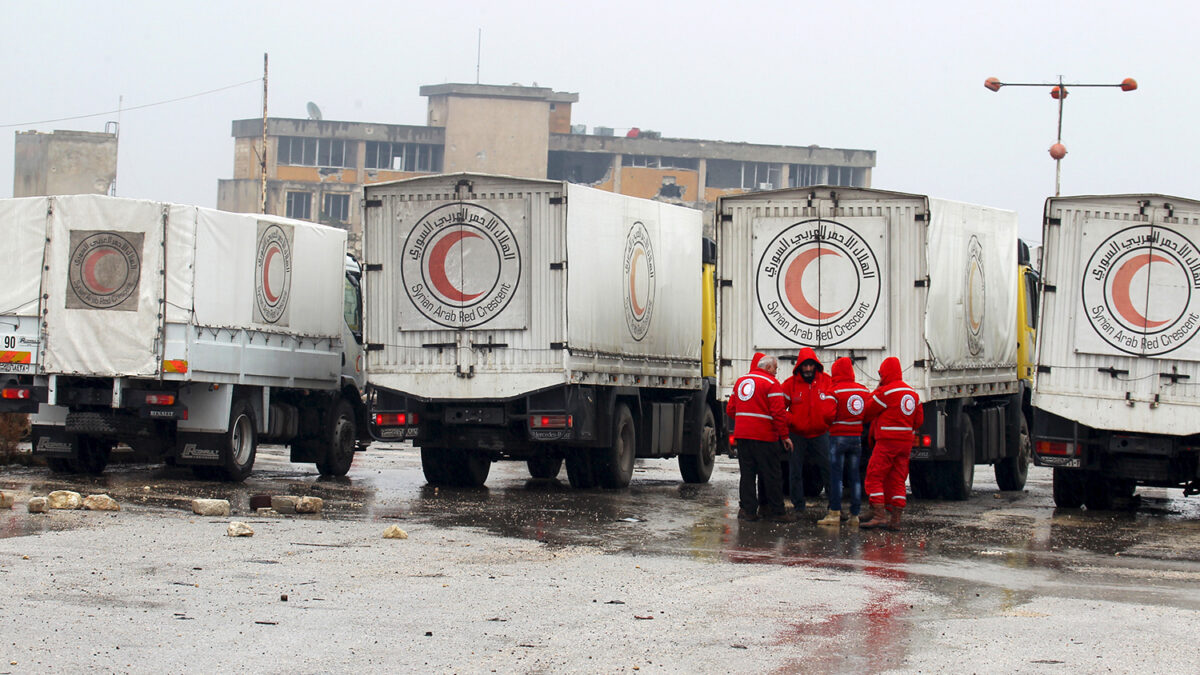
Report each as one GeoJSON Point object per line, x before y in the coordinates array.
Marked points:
{"type": "Point", "coordinates": [531, 576]}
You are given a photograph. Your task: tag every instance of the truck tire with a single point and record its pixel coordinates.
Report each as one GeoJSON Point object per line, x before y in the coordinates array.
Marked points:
{"type": "Point", "coordinates": [469, 469]}
{"type": "Point", "coordinates": [240, 443]}
{"type": "Point", "coordinates": [1097, 493]}
{"type": "Point", "coordinates": [1012, 472]}
{"type": "Point", "coordinates": [614, 465]}
{"type": "Point", "coordinates": [1068, 488]}
{"type": "Point", "coordinates": [698, 468]}
{"type": "Point", "coordinates": [336, 448]}
{"type": "Point", "coordinates": [580, 470]}
{"type": "Point", "coordinates": [959, 477]}
{"type": "Point", "coordinates": [92, 454]}
{"type": "Point", "coordinates": [923, 479]}
{"type": "Point", "coordinates": [435, 464]}
{"type": "Point", "coordinates": [544, 467]}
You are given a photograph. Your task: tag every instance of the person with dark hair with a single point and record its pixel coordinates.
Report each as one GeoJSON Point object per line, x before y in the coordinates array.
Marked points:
{"type": "Point", "coordinates": [810, 410]}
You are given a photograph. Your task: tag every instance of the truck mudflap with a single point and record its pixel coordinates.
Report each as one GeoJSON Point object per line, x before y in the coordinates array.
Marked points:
{"type": "Point", "coordinates": [198, 449]}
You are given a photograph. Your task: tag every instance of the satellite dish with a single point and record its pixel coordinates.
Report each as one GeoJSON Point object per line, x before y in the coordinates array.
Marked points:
{"type": "Point", "coordinates": [314, 113]}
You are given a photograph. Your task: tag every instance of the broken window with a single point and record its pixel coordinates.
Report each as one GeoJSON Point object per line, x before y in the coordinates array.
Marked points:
{"type": "Point", "coordinates": [585, 168]}
{"type": "Point", "coordinates": [335, 207]}
{"type": "Point", "coordinates": [724, 173]}
{"type": "Point", "coordinates": [656, 162]}
{"type": "Point", "coordinates": [403, 156]}
{"type": "Point", "coordinates": [803, 175]}
{"type": "Point", "coordinates": [327, 152]}
{"type": "Point", "coordinates": [299, 205]}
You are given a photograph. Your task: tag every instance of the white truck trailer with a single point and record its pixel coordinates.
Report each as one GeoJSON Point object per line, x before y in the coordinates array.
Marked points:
{"type": "Point", "coordinates": [535, 320]}
{"type": "Point", "coordinates": [869, 274]}
{"type": "Point", "coordinates": [187, 333]}
{"type": "Point", "coordinates": [1117, 401]}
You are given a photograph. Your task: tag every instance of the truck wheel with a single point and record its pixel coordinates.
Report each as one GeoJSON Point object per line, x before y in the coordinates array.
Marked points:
{"type": "Point", "coordinates": [92, 454]}
{"type": "Point", "coordinates": [60, 465]}
{"type": "Point", "coordinates": [1011, 472]}
{"type": "Point", "coordinates": [1068, 488]}
{"type": "Point", "coordinates": [435, 464]}
{"type": "Point", "coordinates": [959, 477]}
{"type": "Point", "coordinates": [544, 467]}
{"type": "Point", "coordinates": [1097, 495]}
{"type": "Point", "coordinates": [240, 444]}
{"type": "Point", "coordinates": [614, 465]}
{"type": "Point", "coordinates": [698, 468]}
{"type": "Point", "coordinates": [337, 448]}
{"type": "Point", "coordinates": [923, 479]}
{"type": "Point", "coordinates": [580, 471]}
{"type": "Point", "coordinates": [470, 469]}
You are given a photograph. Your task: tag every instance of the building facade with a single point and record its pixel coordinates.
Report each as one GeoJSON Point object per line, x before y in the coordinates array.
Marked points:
{"type": "Point", "coordinates": [316, 169]}
{"type": "Point", "coordinates": [64, 163]}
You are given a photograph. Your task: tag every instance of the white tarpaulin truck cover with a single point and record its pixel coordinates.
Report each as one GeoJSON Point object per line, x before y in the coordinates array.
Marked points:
{"type": "Point", "coordinates": [971, 312]}
{"type": "Point", "coordinates": [633, 281]}
{"type": "Point", "coordinates": [117, 271]}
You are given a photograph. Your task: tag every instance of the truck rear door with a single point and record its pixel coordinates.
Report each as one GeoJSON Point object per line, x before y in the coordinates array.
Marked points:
{"type": "Point", "coordinates": [104, 281]}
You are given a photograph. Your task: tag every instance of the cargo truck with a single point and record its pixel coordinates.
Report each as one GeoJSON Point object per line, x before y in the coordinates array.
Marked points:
{"type": "Point", "coordinates": [538, 321]}
{"type": "Point", "coordinates": [943, 286]}
{"type": "Point", "coordinates": [1117, 401]}
{"type": "Point", "coordinates": [187, 333]}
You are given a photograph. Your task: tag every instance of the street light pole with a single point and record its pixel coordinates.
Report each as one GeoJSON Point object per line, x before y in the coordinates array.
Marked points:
{"type": "Point", "coordinates": [1059, 93]}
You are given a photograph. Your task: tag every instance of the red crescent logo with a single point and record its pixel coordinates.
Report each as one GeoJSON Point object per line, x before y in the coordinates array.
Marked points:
{"type": "Point", "coordinates": [437, 267]}
{"type": "Point", "coordinates": [271, 253]}
{"type": "Point", "coordinates": [793, 287]}
{"type": "Point", "coordinates": [638, 310]}
{"type": "Point", "coordinates": [971, 299]}
{"type": "Point", "coordinates": [89, 271]}
{"type": "Point", "coordinates": [1120, 290]}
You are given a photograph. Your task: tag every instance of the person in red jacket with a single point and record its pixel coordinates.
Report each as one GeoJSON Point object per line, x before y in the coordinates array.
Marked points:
{"type": "Point", "coordinates": [845, 444]}
{"type": "Point", "coordinates": [895, 413]}
{"type": "Point", "coordinates": [810, 411]}
{"type": "Point", "coordinates": [758, 408]}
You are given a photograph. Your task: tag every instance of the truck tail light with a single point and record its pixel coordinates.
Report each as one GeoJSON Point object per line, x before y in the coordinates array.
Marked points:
{"type": "Point", "coordinates": [551, 421]}
{"type": "Point", "coordinates": [14, 393]}
{"type": "Point", "coordinates": [175, 366]}
{"type": "Point", "coordinates": [160, 399]}
{"type": "Point", "coordinates": [395, 419]}
{"type": "Point", "coordinates": [1055, 448]}
{"type": "Point", "coordinates": [926, 441]}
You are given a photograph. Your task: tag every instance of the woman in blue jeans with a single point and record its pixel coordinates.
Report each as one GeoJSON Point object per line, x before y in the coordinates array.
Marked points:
{"type": "Point", "coordinates": [845, 444]}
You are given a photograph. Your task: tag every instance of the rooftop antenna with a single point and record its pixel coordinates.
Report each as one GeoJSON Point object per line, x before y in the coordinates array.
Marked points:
{"type": "Point", "coordinates": [314, 113]}
{"type": "Point", "coordinates": [478, 51]}
{"type": "Point", "coordinates": [114, 128]}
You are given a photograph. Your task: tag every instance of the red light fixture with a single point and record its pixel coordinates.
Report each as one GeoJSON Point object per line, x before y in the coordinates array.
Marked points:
{"type": "Point", "coordinates": [160, 399]}
{"type": "Point", "coordinates": [16, 394]}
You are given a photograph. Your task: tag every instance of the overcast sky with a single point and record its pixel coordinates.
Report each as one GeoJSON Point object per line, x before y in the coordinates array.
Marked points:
{"type": "Point", "coordinates": [904, 79]}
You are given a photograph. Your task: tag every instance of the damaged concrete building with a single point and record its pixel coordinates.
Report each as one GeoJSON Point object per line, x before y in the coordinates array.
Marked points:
{"type": "Point", "coordinates": [64, 163]}
{"type": "Point", "coordinates": [316, 168]}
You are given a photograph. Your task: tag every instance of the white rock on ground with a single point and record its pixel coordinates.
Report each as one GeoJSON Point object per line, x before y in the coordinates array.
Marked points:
{"type": "Point", "coordinates": [100, 503]}
{"type": "Point", "coordinates": [64, 499]}
{"type": "Point", "coordinates": [394, 532]}
{"type": "Point", "coordinates": [239, 529]}
{"type": "Point", "coordinates": [37, 505]}
{"type": "Point", "coordinates": [210, 507]}
{"type": "Point", "coordinates": [284, 503]}
{"type": "Point", "coordinates": [309, 505]}
{"type": "Point", "coordinates": [6, 500]}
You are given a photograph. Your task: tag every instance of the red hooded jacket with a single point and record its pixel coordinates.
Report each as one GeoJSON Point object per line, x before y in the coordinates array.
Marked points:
{"type": "Point", "coordinates": [894, 409]}
{"type": "Point", "coordinates": [811, 406]}
{"type": "Point", "coordinates": [758, 406]}
{"type": "Point", "coordinates": [851, 400]}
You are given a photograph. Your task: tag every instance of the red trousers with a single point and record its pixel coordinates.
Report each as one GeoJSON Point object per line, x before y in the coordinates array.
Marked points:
{"type": "Point", "coordinates": [886, 473]}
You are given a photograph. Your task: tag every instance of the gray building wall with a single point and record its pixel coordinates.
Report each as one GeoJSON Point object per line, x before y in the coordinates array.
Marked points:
{"type": "Point", "coordinates": [64, 163]}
